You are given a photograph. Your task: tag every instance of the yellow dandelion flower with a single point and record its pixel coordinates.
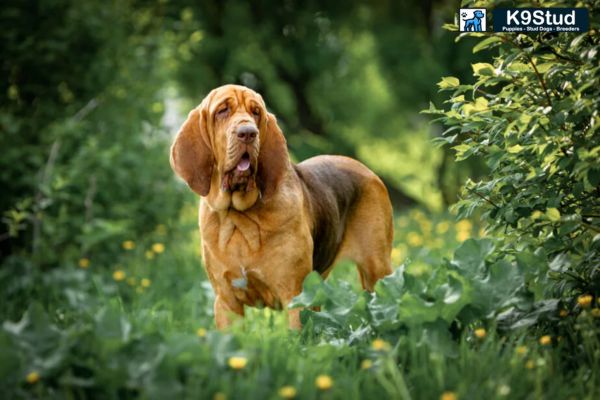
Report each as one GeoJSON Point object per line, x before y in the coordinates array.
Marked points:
{"type": "Point", "coordinates": [201, 332]}
{"type": "Point", "coordinates": [149, 254]}
{"type": "Point", "coordinates": [425, 226]}
{"type": "Point", "coordinates": [585, 300]}
{"type": "Point", "coordinates": [131, 281]}
{"type": "Point", "coordinates": [324, 382]}
{"type": "Point", "coordinates": [118, 275]}
{"type": "Point", "coordinates": [596, 312]}
{"type": "Point", "coordinates": [530, 364]}
{"type": "Point", "coordinates": [414, 239]}
{"type": "Point", "coordinates": [145, 282]}
{"type": "Point", "coordinates": [480, 333]}
{"type": "Point", "coordinates": [448, 396]}
{"type": "Point", "coordinates": [563, 313]}
{"type": "Point", "coordinates": [366, 364]}
{"type": "Point", "coordinates": [158, 248]}
{"type": "Point", "coordinates": [128, 245]}
{"type": "Point", "coordinates": [464, 225]}
{"type": "Point", "coordinates": [84, 262]}
{"type": "Point", "coordinates": [545, 340]}
{"type": "Point", "coordinates": [287, 392]}
{"type": "Point", "coordinates": [32, 377]}
{"type": "Point", "coordinates": [521, 350]}
{"type": "Point", "coordinates": [461, 236]}
{"type": "Point", "coordinates": [380, 345]}
{"type": "Point", "coordinates": [396, 255]}
{"type": "Point", "coordinates": [442, 227]}
{"type": "Point", "coordinates": [237, 362]}
{"type": "Point", "coordinates": [219, 396]}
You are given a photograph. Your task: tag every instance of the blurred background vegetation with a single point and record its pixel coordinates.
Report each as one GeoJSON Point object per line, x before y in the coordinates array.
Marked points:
{"type": "Point", "coordinates": [95, 90]}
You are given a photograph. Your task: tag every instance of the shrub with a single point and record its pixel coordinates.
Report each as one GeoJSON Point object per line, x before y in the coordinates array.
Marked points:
{"type": "Point", "coordinates": [532, 114]}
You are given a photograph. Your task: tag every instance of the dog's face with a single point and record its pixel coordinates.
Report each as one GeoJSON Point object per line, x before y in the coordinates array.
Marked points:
{"type": "Point", "coordinates": [237, 116]}
{"type": "Point", "coordinates": [230, 148]}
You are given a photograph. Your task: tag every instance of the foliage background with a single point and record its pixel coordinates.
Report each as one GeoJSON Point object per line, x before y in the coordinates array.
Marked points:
{"type": "Point", "coordinates": [102, 289]}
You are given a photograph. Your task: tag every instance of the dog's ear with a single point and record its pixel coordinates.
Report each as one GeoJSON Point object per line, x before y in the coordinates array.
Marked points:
{"type": "Point", "coordinates": [273, 158]}
{"type": "Point", "coordinates": [191, 154]}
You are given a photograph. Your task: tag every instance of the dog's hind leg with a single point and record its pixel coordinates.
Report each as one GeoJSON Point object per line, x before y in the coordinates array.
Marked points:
{"type": "Point", "coordinates": [369, 235]}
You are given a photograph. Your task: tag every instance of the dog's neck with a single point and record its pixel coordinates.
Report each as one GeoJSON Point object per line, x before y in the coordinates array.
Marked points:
{"type": "Point", "coordinates": [223, 199]}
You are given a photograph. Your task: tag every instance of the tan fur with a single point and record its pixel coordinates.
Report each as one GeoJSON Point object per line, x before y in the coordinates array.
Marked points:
{"type": "Point", "coordinates": [258, 240]}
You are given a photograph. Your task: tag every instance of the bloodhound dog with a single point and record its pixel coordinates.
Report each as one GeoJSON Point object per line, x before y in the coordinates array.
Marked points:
{"type": "Point", "coordinates": [265, 222]}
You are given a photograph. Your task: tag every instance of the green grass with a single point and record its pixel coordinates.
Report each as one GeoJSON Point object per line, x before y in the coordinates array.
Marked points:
{"type": "Point", "coordinates": [143, 328]}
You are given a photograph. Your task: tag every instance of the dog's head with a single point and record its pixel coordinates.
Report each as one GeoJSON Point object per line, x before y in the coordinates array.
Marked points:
{"type": "Point", "coordinates": [231, 145]}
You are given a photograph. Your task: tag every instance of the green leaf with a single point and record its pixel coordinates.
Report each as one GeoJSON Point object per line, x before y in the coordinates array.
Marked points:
{"type": "Point", "coordinates": [448, 82]}
{"type": "Point", "coordinates": [553, 214]}
{"type": "Point", "coordinates": [484, 69]}
{"type": "Point", "coordinates": [517, 148]}
{"type": "Point", "coordinates": [486, 43]}
{"type": "Point", "coordinates": [470, 257]}
{"type": "Point", "coordinates": [313, 292]}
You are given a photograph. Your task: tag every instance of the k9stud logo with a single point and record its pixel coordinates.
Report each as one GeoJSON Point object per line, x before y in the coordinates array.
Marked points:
{"type": "Point", "coordinates": [541, 20]}
{"type": "Point", "coordinates": [472, 19]}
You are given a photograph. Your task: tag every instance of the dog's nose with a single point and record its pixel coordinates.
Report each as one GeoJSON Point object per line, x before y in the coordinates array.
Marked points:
{"type": "Point", "coordinates": [247, 133]}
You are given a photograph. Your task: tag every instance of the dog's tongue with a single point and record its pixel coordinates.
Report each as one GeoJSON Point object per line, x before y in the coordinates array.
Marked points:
{"type": "Point", "coordinates": [244, 164]}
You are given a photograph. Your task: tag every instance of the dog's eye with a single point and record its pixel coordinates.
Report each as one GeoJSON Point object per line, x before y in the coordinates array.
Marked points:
{"type": "Point", "coordinates": [221, 112]}
{"type": "Point", "coordinates": [256, 111]}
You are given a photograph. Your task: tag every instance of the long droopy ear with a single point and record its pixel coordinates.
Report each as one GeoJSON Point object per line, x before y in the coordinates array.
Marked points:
{"type": "Point", "coordinates": [191, 155]}
{"type": "Point", "coordinates": [273, 158]}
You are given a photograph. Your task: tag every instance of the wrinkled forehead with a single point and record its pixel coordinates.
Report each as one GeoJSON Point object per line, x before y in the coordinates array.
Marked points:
{"type": "Point", "coordinates": [234, 95]}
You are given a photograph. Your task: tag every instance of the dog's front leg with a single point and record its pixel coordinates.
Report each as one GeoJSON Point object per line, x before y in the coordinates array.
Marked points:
{"type": "Point", "coordinates": [294, 318]}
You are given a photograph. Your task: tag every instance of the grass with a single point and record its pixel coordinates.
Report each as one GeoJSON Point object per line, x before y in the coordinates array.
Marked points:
{"type": "Point", "coordinates": [143, 328]}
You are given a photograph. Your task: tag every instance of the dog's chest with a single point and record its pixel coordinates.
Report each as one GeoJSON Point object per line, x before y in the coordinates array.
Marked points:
{"type": "Point", "coordinates": [237, 236]}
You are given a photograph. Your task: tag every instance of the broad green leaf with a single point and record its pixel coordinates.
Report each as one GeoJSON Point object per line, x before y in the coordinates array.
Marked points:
{"type": "Point", "coordinates": [543, 68]}
{"type": "Point", "coordinates": [481, 104]}
{"type": "Point", "coordinates": [448, 82]}
{"type": "Point", "coordinates": [553, 214]}
{"type": "Point", "coordinates": [313, 292]}
{"type": "Point", "coordinates": [470, 256]}
{"type": "Point", "coordinates": [486, 43]}
{"type": "Point", "coordinates": [484, 69]}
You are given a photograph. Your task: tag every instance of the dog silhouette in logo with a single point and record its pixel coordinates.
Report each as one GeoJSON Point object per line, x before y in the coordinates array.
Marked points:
{"type": "Point", "coordinates": [473, 24]}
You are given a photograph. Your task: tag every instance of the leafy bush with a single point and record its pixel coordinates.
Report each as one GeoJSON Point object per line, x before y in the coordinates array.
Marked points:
{"type": "Point", "coordinates": [472, 289]}
{"type": "Point", "coordinates": [532, 114]}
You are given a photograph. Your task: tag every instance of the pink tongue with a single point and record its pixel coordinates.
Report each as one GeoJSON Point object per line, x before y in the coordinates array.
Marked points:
{"type": "Point", "coordinates": [243, 165]}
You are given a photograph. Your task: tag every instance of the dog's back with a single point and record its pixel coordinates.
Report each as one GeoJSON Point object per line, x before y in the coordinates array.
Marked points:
{"type": "Point", "coordinates": [335, 187]}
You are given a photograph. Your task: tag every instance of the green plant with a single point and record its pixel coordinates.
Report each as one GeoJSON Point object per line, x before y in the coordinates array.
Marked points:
{"type": "Point", "coordinates": [532, 114]}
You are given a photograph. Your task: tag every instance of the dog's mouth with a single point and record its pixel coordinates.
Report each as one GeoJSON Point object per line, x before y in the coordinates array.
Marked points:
{"type": "Point", "coordinates": [244, 163]}
{"type": "Point", "coordinates": [241, 176]}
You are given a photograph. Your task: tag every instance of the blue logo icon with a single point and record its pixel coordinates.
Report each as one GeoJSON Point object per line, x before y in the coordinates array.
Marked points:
{"type": "Point", "coordinates": [472, 20]}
